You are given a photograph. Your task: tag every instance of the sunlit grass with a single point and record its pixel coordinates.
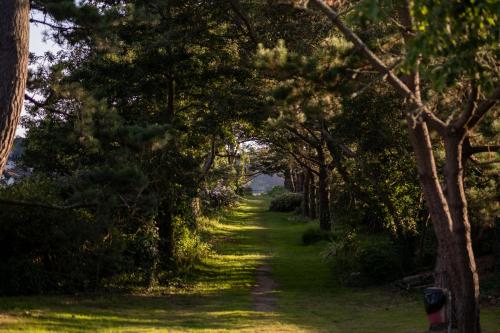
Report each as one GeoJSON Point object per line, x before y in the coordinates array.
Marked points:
{"type": "Point", "coordinates": [218, 297]}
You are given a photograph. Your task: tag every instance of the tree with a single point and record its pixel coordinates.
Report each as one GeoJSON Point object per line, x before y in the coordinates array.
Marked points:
{"type": "Point", "coordinates": [158, 92]}
{"type": "Point", "coordinates": [307, 149]}
{"type": "Point", "coordinates": [14, 52]}
{"type": "Point", "coordinates": [446, 201]}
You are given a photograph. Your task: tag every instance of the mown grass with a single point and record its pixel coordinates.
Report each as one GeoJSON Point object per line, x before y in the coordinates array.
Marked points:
{"type": "Point", "coordinates": [219, 298]}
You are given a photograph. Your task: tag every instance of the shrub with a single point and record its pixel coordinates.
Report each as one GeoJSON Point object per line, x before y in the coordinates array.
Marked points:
{"type": "Point", "coordinates": [189, 248]}
{"type": "Point", "coordinates": [219, 197]}
{"type": "Point", "coordinates": [142, 248]}
{"type": "Point", "coordinates": [342, 252]}
{"type": "Point", "coordinates": [287, 202]}
{"type": "Point", "coordinates": [276, 191]}
{"type": "Point", "coordinates": [66, 250]}
{"type": "Point", "coordinates": [45, 249]}
{"type": "Point", "coordinates": [379, 263]}
{"type": "Point", "coordinates": [244, 191]}
{"type": "Point", "coordinates": [315, 234]}
{"type": "Point", "coordinates": [367, 262]}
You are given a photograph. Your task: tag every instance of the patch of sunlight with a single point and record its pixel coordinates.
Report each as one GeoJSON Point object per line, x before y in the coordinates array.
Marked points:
{"type": "Point", "coordinates": [96, 317]}
{"type": "Point", "coordinates": [242, 213]}
{"type": "Point", "coordinates": [241, 257]}
{"type": "Point", "coordinates": [242, 313]}
{"type": "Point", "coordinates": [242, 227]}
{"type": "Point", "coordinates": [277, 327]}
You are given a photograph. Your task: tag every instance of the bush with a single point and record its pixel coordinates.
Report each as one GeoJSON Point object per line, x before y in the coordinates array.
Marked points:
{"type": "Point", "coordinates": [287, 202]}
{"type": "Point", "coordinates": [189, 248]}
{"type": "Point", "coordinates": [276, 191]}
{"type": "Point", "coordinates": [379, 263]}
{"type": "Point", "coordinates": [315, 234]}
{"type": "Point", "coordinates": [342, 252]}
{"type": "Point", "coordinates": [367, 262]}
{"type": "Point", "coordinates": [245, 191]}
{"type": "Point", "coordinates": [44, 249]}
{"type": "Point", "coordinates": [219, 197]}
{"type": "Point", "coordinates": [142, 248]}
{"type": "Point", "coordinates": [65, 250]}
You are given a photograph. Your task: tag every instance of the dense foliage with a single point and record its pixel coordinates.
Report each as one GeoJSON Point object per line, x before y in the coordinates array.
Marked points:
{"type": "Point", "coordinates": [286, 202]}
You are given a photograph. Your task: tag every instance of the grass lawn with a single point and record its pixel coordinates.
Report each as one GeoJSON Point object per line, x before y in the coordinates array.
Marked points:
{"type": "Point", "coordinates": [219, 299]}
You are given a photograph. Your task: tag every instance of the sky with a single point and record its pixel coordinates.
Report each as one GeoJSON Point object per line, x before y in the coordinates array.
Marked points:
{"type": "Point", "coordinates": [37, 46]}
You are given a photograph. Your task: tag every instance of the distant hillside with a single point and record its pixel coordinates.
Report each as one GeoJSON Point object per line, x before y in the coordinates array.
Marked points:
{"type": "Point", "coordinates": [263, 183]}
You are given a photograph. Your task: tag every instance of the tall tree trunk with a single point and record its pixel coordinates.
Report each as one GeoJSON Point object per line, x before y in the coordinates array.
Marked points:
{"type": "Point", "coordinates": [288, 184]}
{"type": "Point", "coordinates": [196, 208]}
{"type": "Point", "coordinates": [166, 234]}
{"type": "Point", "coordinates": [312, 197]}
{"type": "Point", "coordinates": [465, 285]}
{"type": "Point", "coordinates": [295, 180]}
{"type": "Point", "coordinates": [324, 199]}
{"type": "Point", "coordinates": [305, 194]}
{"type": "Point", "coordinates": [299, 181]}
{"type": "Point", "coordinates": [14, 52]}
{"type": "Point", "coordinates": [323, 193]}
{"type": "Point", "coordinates": [451, 225]}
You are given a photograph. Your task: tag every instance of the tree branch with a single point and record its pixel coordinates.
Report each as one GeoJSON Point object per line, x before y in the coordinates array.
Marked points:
{"type": "Point", "coordinates": [43, 106]}
{"type": "Point", "coordinates": [12, 202]}
{"type": "Point", "coordinates": [235, 5]}
{"type": "Point", "coordinates": [296, 158]}
{"type": "Point", "coordinates": [210, 159]}
{"type": "Point", "coordinates": [485, 149]}
{"type": "Point", "coordinates": [50, 25]}
{"type": "Point", "coordinates": [301, 136]}
{"type": "Point", "coordinates": [332, 141]}
{"type": "Point", "coordinates": [468, 150]}
{"type": "Point", "coordinates": [312, 133]}
{"type": "Point", "coordinates": [483, 108]}
{"type": "Point", "coordinates": [465, 117]}
{"type": "Point", "coordinates": [419, 108]}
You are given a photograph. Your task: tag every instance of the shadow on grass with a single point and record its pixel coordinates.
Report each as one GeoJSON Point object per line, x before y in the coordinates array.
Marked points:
{"type": "Point", "coordinates": [125, 313]}
{"type": "Point", "coordinates": [219, 297]}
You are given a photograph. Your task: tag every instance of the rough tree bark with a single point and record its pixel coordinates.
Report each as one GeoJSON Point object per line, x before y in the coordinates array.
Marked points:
{"type": "Point", "coordinates": [14, 52]}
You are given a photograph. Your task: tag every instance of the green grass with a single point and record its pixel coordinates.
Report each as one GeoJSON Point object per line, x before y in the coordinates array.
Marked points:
{"type": "Point", "coordinates": [219, 298]}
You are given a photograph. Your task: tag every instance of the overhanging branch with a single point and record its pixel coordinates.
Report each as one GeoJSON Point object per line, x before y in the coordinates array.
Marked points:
{"type": "Point", "coordinates": [23, 203]}
{"type": "Point", "coordinates": [483, 108]}
{"type": "Point", "coordinates": [419, 108]}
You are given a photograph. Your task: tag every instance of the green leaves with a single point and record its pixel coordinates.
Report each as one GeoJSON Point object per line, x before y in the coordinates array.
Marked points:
{"type": "Point", "coordinates": [456, 39]}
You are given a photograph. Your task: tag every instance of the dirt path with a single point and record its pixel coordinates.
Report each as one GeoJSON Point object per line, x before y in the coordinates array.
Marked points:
{"type": "Point", "coordinates": [263, 293]}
